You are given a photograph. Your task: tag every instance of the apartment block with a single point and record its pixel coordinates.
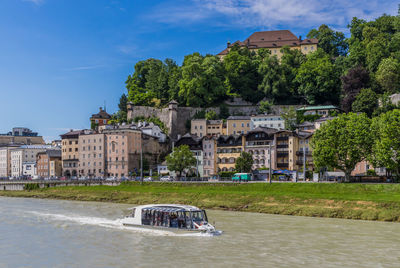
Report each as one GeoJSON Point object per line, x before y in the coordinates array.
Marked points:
{"type": "Point", "coordinates": [49, 163]}
{"type": "Point", "coordinates": [92, 154]}
{"type": "Point", "coordinates": [236, 125]}
{"type": "Point", "coordinates": [24, 154]}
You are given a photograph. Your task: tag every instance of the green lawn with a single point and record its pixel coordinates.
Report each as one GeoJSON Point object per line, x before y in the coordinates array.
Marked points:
{"type": "Point", "coordinates": [352, 201]}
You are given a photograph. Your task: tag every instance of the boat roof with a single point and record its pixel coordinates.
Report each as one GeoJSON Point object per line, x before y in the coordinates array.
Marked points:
{"type": "Point", "coordinates": [168, 207]}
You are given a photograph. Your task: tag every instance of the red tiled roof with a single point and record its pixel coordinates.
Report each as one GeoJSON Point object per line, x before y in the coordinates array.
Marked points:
{"type": "Point", "coordinates": [271, 39]}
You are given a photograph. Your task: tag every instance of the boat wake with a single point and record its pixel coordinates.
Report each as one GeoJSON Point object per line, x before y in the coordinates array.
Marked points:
{"type": "Point", "coordinates": [114, 224]}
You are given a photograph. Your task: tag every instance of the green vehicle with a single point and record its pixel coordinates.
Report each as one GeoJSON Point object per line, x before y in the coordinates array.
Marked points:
{"type": "Point", "coordinates": [241, 177]}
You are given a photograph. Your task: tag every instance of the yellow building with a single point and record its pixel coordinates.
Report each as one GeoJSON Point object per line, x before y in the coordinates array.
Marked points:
{"type": "Point", "coordinates": [70, 152]}
{"type": "Point", "coordinates": [301, 145]}
{"type": "Point", "coordinates": [274, 41]}
{"type": "Point", "coordinates": [236, 125]}
{"type": "Point", "coordinates": [229, 149]}
{"type": "Point", "coordinates": [204, 127]}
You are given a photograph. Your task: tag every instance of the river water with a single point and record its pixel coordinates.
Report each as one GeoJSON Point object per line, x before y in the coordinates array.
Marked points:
{"type": "Point", "coordinates": [53, 233]}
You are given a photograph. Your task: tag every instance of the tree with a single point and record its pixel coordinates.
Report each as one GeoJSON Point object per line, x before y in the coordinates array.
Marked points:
{"type": "Point", "coordinates": [343, 142]}
{"type": "Point", "coordinates": [223, 111]}
{"type": "Point", "coordinates": [333, 43]}
{"type": "Point", "coordinates": [180, 159]}
{"type": "Point", "coordinates": [273, 83]}
{"type": "Point", "coordinates": [365, 102]}
{"type": "Point", "coordinates": [244, 162]}
{"type": "Point", "coordinates": [388, 75]}
{"type": "Point", "coordinates": [352, 83]}
{"type": "Point", "coordinates": [290, 117]}
{"type": "Point", "coordinates": [202, 82]}
{"type": "Point", "coordinates": [265, 107]}
{"type": "Point", "coordinates": [318, 79]}
{"type": "Point", "coordinates": [241, 76]}
{"type": "Point", "coordinates": [211, 115]}
{"type": "Point", "coordinates": [386, 147]}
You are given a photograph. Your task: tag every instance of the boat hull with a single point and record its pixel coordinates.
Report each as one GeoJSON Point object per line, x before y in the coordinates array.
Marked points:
{"type": "Point", "coordinates": [162, 228]}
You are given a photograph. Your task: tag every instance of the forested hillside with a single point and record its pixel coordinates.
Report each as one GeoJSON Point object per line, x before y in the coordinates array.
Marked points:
{"type": "Point", "coordinates": [353, 72]}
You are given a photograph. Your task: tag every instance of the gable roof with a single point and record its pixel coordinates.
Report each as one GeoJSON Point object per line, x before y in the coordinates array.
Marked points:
{"type": "Point", "coordinates": [102, 114]}
{"type": "Point", "coordinates": [271, 39]}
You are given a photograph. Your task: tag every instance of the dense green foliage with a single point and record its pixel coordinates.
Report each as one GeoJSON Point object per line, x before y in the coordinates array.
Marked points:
{"type": "Point", "coordinates": [335, 73]}
{"type": "Point", "coordinates": [386, 147]}
{"type": "Point", "coordinates": [343, 142]}
{"type": "Point", "coordinates": [180, 159]}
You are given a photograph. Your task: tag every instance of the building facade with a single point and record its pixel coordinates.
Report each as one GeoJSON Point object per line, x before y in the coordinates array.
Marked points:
{"type": "Point", "coordinates": [236, 125]}
{"type": "Point", "coordinates": [323, 111]}
{"type": "Point", "coordinates": [5, 160]}
{"type": "Point", "coordinates": [274, 41]}
{"type": "Point", "coordinates": [209, 152]}
{"type": "Point", "coordinates": [92, 153]}
{"type": "Point", "coordinates": [70, 152]}
{"type": "Point", "coordinates": [49, 163]}
{"type": "Point", "coordinates": [195, 146]}
{"type": "Point", "coordinates": [229, 149]}
{"type": "Point", "coordinates": [265, 120]}
{"type": "Point", "coordinates": [123, 152]}
{"type": "Point", "coordinates": [260, 144]}
{"type": "Point", "coordinates": [100, 119]}
{"type": "Point", "coordinates": [24, 154]}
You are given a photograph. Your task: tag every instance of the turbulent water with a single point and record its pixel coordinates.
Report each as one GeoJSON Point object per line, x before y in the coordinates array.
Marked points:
{"type": "Point", "coordinates": [52, 233]}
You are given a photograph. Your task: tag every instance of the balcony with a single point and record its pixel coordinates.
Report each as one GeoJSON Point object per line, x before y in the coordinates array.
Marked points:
{"type": "Point", "coordinates": [300, 162]}
{"type": "Point", "coordinates": [282, 138]}
{"type": "Point", "coordinates": [282, 165]}
{"type": "Point", "coordinates": [279, 146]}
{"type": "Point", "coordinates": [282, 154]}
{"type": "Point", "coordinates": [300, 153]}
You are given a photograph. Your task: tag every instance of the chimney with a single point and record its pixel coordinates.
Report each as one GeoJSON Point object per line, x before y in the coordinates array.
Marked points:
{"type": "Point", "coordinates": [101, 109]}
{"type": "Point", "coordinates": [300, 37]}
{"type": "Point", "coordinates": [228, 44]}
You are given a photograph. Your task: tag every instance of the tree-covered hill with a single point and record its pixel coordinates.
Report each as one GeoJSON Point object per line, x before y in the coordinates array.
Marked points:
{"type": "Point", "coordinates": [366, 62]}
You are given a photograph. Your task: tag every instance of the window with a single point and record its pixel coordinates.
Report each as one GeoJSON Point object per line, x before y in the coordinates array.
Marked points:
{"type": "Point", "coordinates": [201, 127]}
{"type": "Point", "coordinates": [242, 124]}
{"type": "Point", "coordinates": [195, 127]}
{"type": "Point", "coordinates": [312, 47]}
{"type": "Point", "coordinates": [305, 48]}
{"type": "Point", "coordinates": [234, 125]}
{"type": "Point", "coordinates": [104, 121]}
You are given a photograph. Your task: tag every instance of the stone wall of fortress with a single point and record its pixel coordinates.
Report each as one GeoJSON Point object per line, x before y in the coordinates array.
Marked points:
{"type": "Point", "coordinates": [175, 117]}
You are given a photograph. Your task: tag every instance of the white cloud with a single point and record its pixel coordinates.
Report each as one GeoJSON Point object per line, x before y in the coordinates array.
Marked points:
{"type": "Point", "coordinates": [271, 13]}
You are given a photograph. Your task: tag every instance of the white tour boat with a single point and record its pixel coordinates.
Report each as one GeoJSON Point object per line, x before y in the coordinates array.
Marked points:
{"type": "Point", "coordinates": [169, 216]}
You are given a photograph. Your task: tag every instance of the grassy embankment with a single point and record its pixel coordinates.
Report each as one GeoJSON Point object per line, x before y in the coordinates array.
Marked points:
{"type": "Point", "coordinates": [350, 201]}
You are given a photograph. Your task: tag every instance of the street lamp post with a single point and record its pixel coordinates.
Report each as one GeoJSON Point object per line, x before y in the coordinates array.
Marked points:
{"type": "Point", "coordinates": [270, 163]}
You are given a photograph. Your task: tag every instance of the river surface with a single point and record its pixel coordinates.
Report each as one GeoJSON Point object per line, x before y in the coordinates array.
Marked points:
{"type": "Point", "coordinates": [54, 233]}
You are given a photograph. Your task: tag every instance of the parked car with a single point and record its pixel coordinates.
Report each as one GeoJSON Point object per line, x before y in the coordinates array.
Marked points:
{"type": "Point", "coordinates": [148, 179]}
{"type": "Point", "coordinates": [166, 178]}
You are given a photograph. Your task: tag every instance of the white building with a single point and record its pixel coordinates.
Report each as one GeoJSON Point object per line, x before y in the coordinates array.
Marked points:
{"type": "Point", "coordinates": [267, 120]}
{"type": "Point", "coordinates": [24, 154]}
{"type": "Point", "coordinates": [152, 129]}
{"type": "Point", "coordinates": [29, 169]}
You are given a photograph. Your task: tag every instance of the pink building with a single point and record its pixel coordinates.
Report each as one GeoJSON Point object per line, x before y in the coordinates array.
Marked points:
{"type": "Point", "coordinates": [123, 152]}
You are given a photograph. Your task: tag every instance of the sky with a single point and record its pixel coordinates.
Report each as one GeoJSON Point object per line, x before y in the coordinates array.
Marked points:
{"type": "Point", "coordinates": [62, 60]}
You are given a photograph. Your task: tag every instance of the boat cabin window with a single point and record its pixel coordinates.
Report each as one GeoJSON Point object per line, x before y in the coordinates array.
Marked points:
{"type": "Point", "coordinates": [172, 218]}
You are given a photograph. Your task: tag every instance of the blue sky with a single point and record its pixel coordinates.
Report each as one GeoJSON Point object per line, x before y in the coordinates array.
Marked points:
{"type": "Point", "coordinates": [60, 60]}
